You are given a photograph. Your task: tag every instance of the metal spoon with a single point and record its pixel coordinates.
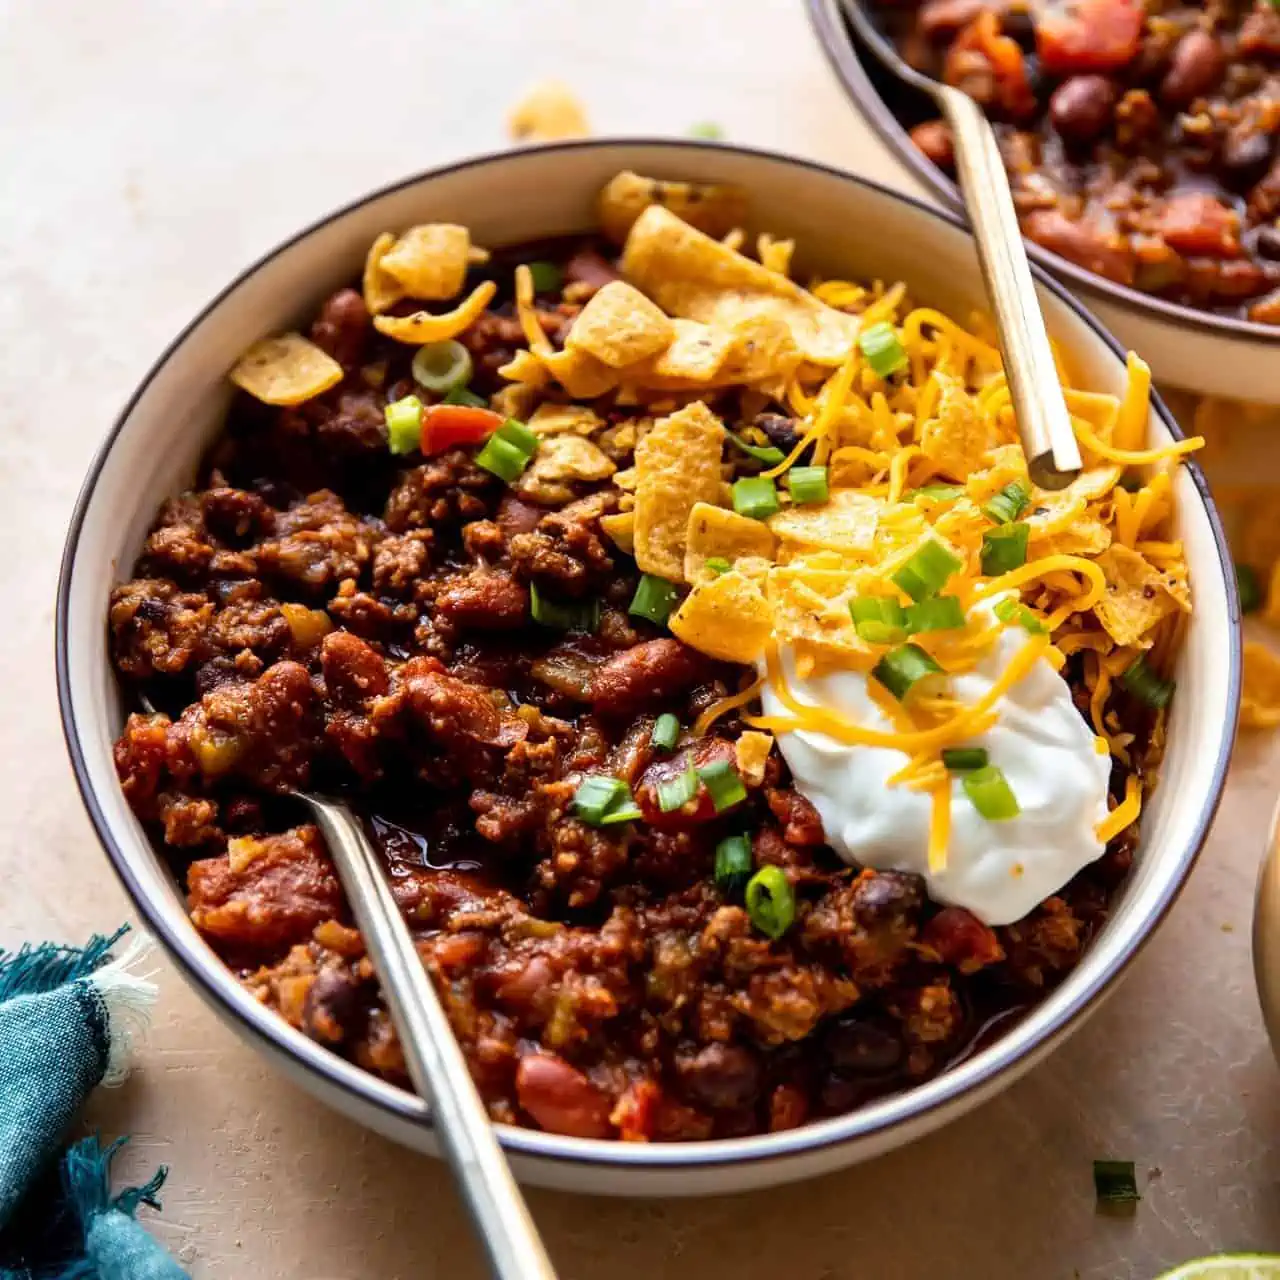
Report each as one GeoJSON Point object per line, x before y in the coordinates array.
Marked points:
{"type": "Point", "coordinates": [1043, 422]}
{"type": "Point", "coordinates": [431, 1053]}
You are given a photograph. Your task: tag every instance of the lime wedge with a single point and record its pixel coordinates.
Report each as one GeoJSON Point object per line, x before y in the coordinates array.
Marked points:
{"type": "Point", "coordinates": [1228, 1266]}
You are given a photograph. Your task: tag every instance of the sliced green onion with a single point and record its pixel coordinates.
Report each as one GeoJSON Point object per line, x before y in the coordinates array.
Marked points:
{"type": "Point", "coordinates": [1249, 588]}
{"type": "Point", "coordinates": [460, 395]}
{"type": "Point", "coordinates": [927, 571]}
{"type": "Point", "coordinates": [666, 731]}
{"type": "Point", "coordinates": [901, 670]}
{"type": "Point", "coordinates": [1004, 548]}
{"type": "Point", "coordinates": [601, 800]}
{"type": "Point", "coordinates": [733, 863]}
{"type": "Point", "coordinates": [769, 454]}
{"type": "Point", "coordinates": [1115, 1182]}
{"type": "Point", "coordinates": [879, 619]}
{"type": "Point", "coordinates": [676, 792]}
{"type": "Point", "coordinates": [516, 433]}
{"type": "Point", "coordinates": [441, 366]}
{"type": "Point", "coordinates": [1015, 612]}
{"type": "Point", "coordinates": [505, 460]}
{"type": "Point", "coordinates": [883, 349]}
{"type": "Point", "coordinates": [756, 497]}
{"type": "Point", "coordinates": [771, 902]}
{"type": "Point", "coordinates": [942, 613]}
{"type": "Point", "coordinates": [1146, 686]}
{"type": "Point", "coordinates": [717, 565]}
{"type": "Point", "coordinates": [654, 599]}
{"type": "Point", "coordinates": [1007, 505]}
{"type": "Point", "coordinates": [808, 484]}
{"type": "Point", "coordinates": [546, 277]}
{"type": "Point", "coordinates": [708, 129]}
{"type": "Point", "coordinates": [404, 424]}
{"type": "Point", "coordinates": [990, 793]}
{"type": "Point", "coordinates": [938, 492]}
{"type": "Point", "coordinates": [563, 617]}
{"type": "Point", "coordinates": [723, 784]}
{"type": "Point", "coordinates": [960, 758]}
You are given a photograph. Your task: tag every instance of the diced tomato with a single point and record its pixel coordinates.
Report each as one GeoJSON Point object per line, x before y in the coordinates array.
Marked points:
{"type": "Point", "coordinates": [1196, 222]}
{"type": "Point", "coordinates": [1094, 35]}
{"type": "Point", "coordinates": [1009, 71]}
{"type": "Point", "coordinates": [961, 939]}
{"type": "Point", "coordinates": [445, 426]}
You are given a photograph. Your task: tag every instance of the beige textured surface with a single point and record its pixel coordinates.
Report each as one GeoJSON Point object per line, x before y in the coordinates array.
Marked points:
{"type": "Point", "coordinates": [148, 149]}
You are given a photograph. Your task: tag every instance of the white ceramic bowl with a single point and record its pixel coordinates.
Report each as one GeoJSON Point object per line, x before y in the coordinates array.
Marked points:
{"type": "Point", "coordinates": [840, 223]}
{"type": "Point", "coordinates": [1195, 350]}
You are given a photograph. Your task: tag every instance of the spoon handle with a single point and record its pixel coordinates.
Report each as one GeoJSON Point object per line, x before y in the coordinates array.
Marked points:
{"type": "Point", "coordinates": [435, 1063]}
{"type": "Point", "coordinates": [1038, 404]}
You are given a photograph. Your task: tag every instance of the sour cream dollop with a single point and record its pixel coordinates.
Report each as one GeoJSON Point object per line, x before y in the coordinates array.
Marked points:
{"type": "Point", "coordinates": [998, 870]}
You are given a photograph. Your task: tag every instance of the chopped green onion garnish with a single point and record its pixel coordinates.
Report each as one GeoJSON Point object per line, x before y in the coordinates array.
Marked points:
{"type": "Point", "coordinates": [718, 565]}
{"type": "Point", "coordinates": [1114, 1182]}
{"type": "Point", "coordinates": [1146, 686]}
{"type": "Point", "coordinates": [769, 454]}
{"type": "Point", "coordinates": [654, 599]}
{"type": "Point", "coordinates": [902, 669]}
{"type": "Point", "coordinates": [1007, 505]}
{"type": "Point", "coordinates": [883, 349]}
{"type": "Point", "coordinates": [506, 460]}
{"type": "Point", "coordinates": [926, 573]}
{"type": "Point", "coordinates": [546, 277]}
{"type": "Point", "coordinates": [960, 758]}
{"type": "Point", "coordinates": [942, 613]}
{"type": "Point", "coordinates": [460, 395]}
{"type": "Point", "coordinates": [938, 492]}
{"type": "Point", "coordinates": [771, 902]}
{"type": "Point", "coordinates": [724, 785]}
{"type": "Point", "coordinates": [666, 731]}
{"type": "Point", "coordinates": [441, 366]}
{"type": "Point", "coordinates": [756, 497]}
{"type": "Point", "coordinates": [1004, 548]}
{"type": "Point", "coordinates": [709, 130]}
{"type": "Point", "coordinates": [1249, 588]}
{"type": "Point", "coordinates": [991, 794]}
{"type": "Point", "coordinates": [404, 424]}
{"type": "Point", "coordinates": [879, 619]}
{"type": "Point", "coordinates": [516, 433]}
{"type": "Point", "coordinates": [807, 484]}
{"type": "Point", "coordinates": [733, 862]}
{"type": "Point", "coordinates": [563, 617]}
{"type": "Point", "coordinates": [601, 800]}
{"type": "Point", "coordinates": [676, 792]}
{"type": "Point", "coordinates": [1015, 612]}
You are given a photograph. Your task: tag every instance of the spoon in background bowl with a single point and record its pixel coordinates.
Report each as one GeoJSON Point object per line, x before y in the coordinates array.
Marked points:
{"type": "Point", "coordinates": [1053, 454]}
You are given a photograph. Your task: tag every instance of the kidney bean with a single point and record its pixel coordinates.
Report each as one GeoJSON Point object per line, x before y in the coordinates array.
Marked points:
{"type": "Point", "coordinates": [1081, 107]}
{"type": "Point", "coordinates": [560, 1098]}
{"type": "Point", "coordinates": [861, 1047]}
{"type": "Point", "coordinates": [1196, 68]}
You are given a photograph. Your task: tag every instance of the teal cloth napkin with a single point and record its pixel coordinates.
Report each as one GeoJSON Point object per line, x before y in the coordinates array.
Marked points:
{"type": "Point", "coordinates": [68, 1018]}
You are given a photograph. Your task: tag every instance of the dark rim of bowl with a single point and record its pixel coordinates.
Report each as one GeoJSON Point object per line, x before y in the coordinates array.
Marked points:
{"type": "Point", "coordinates": [201, 966]}
{"type": "Point", "coordinates": [845, 58]}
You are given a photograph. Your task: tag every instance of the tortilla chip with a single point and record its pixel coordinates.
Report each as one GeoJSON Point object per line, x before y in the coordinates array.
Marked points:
{"type": "Point", "coordinates": [525, 368]}
{"type": "Point", "coordinates": [423, 326]}
{"type": "Point", "coordinates": [555, 419]}
{"type": "Point", "coordinates": [580, 374]}
{"type": "Point", "coordinates": [430, 261]}
{"type": "Point", "coordinates": [763, 350]}
{"type": "Point", "coordinates": [549, 111]}
{"type": "Point", "coordinates": [620, 326]}
{"type": "Point", "coordinates": [845, 523]}
{"type": "Point", "coordinates": [690, 275]}
{"type": "Point", "coordinates": [956, 441]}
{"type": "Point", "coordinates": [695, 354]}
{"type": "Point", "coordinates": [727, 617]}
{"type": "Point", "coordinates": [677, 466]}
{"type": "Point", "coordinates": [621, 530]}
{"type": "Point", "coordinates": [713, 208]}
{"type": "Point", "coordinates": [1006, 464]}
{"type": "Point", "coordinates": [381, 289]}
{"type": "Point", "coordinates": [716, 532]}
{"type": "Point", "coordinates": [1260, 696]}
{"type": "Point", "coordinates": [626, 480]}
{"type": "Point", "coordinates": [751, 754]}
{"type": "Point", "coordinates": [1138, 596]}
{"type": "Point", "coordinates": [286, 369]}
{"type": "Point", "coordinates": [775, 255]}
{"type": "Point", "coordinates": [560, 461]}
{"type": "Point", "coordinates": [810, 608]}
{"type": "Point", "coordinates": [519, 401]}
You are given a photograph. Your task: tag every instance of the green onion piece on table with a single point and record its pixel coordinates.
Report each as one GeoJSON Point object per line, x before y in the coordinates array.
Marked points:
{"type": "Point", "coordinates": [771, 902]}
{"type": "Point", "coordinates": [1015, 612]}
{"type": "Point", "coordinates": [808, 484]}
{"type": "Point", "coordinates": [460, 395]}
{"type": "Point", "coordinates": [1146, 686]}
{"type": "Point", "coordinates": [768, 454]}
{"type": "Point", "coordinates": [755, 497]}
{"type": "Point", "coordinates": [960, 758]}
{"type": "Point", "coordinates": [723, 785]}
{"type": "Point", "coordinates": [676, 792]}
{"type": "Point", "coordinates": [1249, 588]}
{"type": "Point", "coordinates": [879, 619]}
{"type": "Point", "coordinates": [942, 613]}
{"type": "Point", "coordinates": [1007, 505]}
{"type": "Point", "coordinates": [563, 617]}
{"type": "Point", "coordinates": [927, 571]}
{"type": "Point", "coordinates": [666, 732]}
{"type": "Point", "coordinates": [718, 565]}
{"type": "Point", "coordinates": [442, 366]}
{"type": "Point", "coordinates": [546, 277]}
{"type": "Point", "coordinates": [990, 793]}
{"type": "Point", "coordinates": [1004, 549]}
{"type": "Point", "coordinates": [404, 424]}
{"type": "Point", "coordinates": [902, 671]}
{"type": "Point", "coordinates": [707, 130]}
{"type": "Point", "coordinates": [654, 599]}
{"type": "Point", "coordinates": [883, 349]}
{"type": "Point", "coordinates": [733, 863]}
{"type": "Point", "coordinates": [1115, 1182]}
